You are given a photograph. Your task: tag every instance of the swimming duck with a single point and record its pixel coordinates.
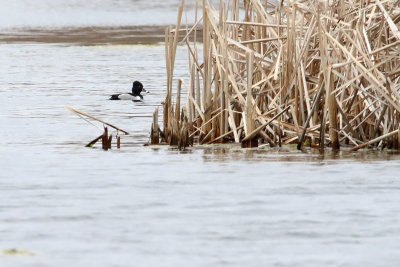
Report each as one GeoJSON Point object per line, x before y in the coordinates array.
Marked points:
{"type": "Point", "coordinates": [135, 96]}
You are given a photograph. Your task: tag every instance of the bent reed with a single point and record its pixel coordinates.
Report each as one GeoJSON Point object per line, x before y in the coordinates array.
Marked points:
{"type": "Point", "coordinates": [316, 73]}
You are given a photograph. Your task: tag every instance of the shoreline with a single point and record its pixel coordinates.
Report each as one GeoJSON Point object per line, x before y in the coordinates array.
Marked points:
{"type": "Point", "coordinates": [87, 36]}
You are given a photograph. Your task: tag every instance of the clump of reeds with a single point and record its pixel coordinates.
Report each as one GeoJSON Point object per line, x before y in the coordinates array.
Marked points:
{"type": "Point", "coordinates": [325, 72]}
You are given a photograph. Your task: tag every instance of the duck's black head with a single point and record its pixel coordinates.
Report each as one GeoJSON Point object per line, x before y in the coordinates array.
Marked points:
{"type": "Point", "coordinates": [137, 88]}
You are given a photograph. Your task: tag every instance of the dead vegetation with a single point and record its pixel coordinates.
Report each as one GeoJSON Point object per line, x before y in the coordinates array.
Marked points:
{"type": "Point", "coordinates": [106, 139]}
{"type": "Point", "coordinates": [325, 73]}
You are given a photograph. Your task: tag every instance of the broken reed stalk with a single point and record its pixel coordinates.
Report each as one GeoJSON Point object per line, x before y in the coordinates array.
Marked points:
{"type": "Point", "coordinates": [94, 141]}
{"type": "Point", "coordinates": [118, 142]}
{"type": "Point", "coordinates": [375, 140]}
{"type": "Point", "coordinates": [323, 72]}
{"type": "Point", "coordinates": [94, 118]}
{"type": "Point", "coordinates": [106, 139]}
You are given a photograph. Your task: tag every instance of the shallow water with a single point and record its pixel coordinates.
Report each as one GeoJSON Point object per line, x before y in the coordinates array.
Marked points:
{"type": "Point", "coordinates": [156, 206]}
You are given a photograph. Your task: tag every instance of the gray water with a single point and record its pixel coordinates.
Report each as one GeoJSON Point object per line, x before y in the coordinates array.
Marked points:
{"type": "Point", "coordinates": [72, 13]}
{"type": "Point", "coordinates": [68, 205]}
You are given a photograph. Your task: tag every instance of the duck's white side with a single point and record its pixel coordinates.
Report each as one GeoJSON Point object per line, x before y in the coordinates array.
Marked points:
{"type": "Point", "coordinates": [128, 97]}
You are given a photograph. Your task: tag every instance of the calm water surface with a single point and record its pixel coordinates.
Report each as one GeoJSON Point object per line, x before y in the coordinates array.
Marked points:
{"type": "Point", "coordinates": [142, 206]}
{"type": "Point", "coordinates": [73, 13]}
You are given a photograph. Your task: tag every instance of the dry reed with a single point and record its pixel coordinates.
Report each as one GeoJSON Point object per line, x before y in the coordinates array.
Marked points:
{"type": "Point", "coordinates": [106, 140]}
{"type": "Point", "coordinates": [323, 71]}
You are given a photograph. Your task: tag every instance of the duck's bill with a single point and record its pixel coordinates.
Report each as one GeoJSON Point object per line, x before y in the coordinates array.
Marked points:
{"type": "Point", "coordinates": [145, 91]}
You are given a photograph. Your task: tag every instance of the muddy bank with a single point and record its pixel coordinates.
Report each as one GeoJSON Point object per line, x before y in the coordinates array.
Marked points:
{"type": "Point", "coordinates": [87, 35]}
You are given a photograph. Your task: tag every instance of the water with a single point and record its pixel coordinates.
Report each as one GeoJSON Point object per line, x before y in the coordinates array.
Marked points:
{"type": "Point", "coordinates": [142, 206]}
{"type": "Point", "coordinates": [75, 13]}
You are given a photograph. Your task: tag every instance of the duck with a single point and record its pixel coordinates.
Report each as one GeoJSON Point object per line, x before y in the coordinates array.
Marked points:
{"type": "Point", "coordinates": [135, 96]}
